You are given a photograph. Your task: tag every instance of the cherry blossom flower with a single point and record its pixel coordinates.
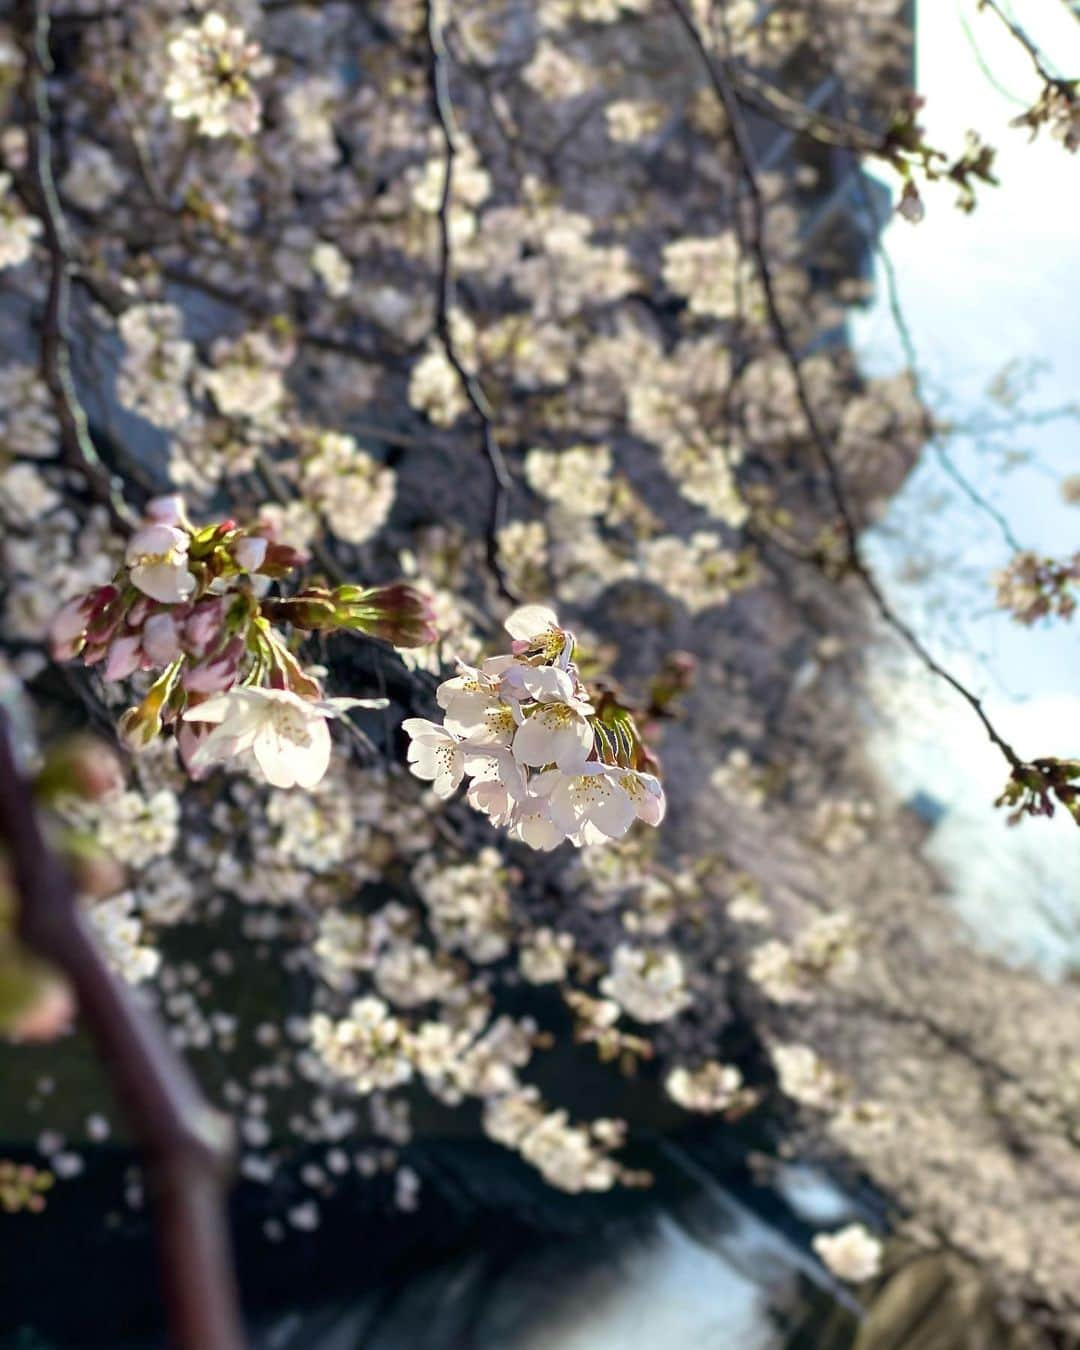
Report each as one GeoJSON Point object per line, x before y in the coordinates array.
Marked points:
{"type": "Point", "coordinates": [435, 754]}
{"type": "Point", "coordinates": [523, 727]}
{"type": "Point", "coordinates": [649, 983]}
{"type": "Point", "coordinates": [287, 735]}
{"type": "Point", "coordinates": [157, 560]}
{"type": "Point", "coordinates": [646, 792]}
{"type": "Point", "coordinates": [592, 803]}
{"type": "Point", "coordinates": [554, 733]}
{"type": "Point", "coordinates": [536, 632]}
{"type": "Point", "coordinates": [208, 80]}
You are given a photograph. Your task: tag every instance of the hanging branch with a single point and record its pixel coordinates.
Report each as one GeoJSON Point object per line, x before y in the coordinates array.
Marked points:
{"type": "Point", "coordinates": [186, 1144]}
{"type": "Point", "coordinates": [1020, 36]}
{"type": "Point", "coordinates": [754, 241]}
{"type": "Point", "coordinates": [501, 482]}
{"type": "Point", "coordinates": [930, 429]}
{"type": "Point", "coordinates": [77, 443]}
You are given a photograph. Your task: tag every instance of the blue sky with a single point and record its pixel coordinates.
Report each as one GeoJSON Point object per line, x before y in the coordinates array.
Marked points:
{"type": "Point", "coordinates": [981, 292]}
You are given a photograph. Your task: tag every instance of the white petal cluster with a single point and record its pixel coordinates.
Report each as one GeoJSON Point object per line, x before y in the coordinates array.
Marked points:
{"type": "Point", "coordinates": [468, 904]}
{"type": "Point", "coordinates": [209, 68]}
{"type": "Point", "coordinates": [120, 931]}
{"type": "Point", "coordinates": [156, 364]}
{"type": "Point", "coordinates": [699, 570]}
{"type": "Point", "coordinates": [712, 1087]}
{"type": "Point", "coordinates": [712, 276]}
{"type": "Point", "coordinates": [18, 230]}
{"type": "Point", "coordinates": [248, 380]}
{"type": "Point", "coordinates": [275, 733]}
{"type": "Point", "coordinates": [93, 178]}
{"type": "Point", "coordinates": [332, 268]}
{"type": "Point", "coordinates": [368, 1047]}
{"type": "Point", "coordinates": [545, 955]}
{"type": "Point", "coordinates": [578, 479]}
{"type": "Point", "coordinates": [157, 556]}
{"type": "Point", "coordinates": [794, 972]}
{"type": "Point", "coordinates": [522, 729]}
{"type": "Point", "coordinates": [128, 826]}
{"type": "Point", "coordinates": [435, 388]}
{"type": "Point", "coordinates": [28, 425]}
{"type": "Point", "coordinates": [806, 1078]}
{"type": "Point", "coordinates": [647, 982]}
{"type": "Point", "coordinates": [852, 1254]}
{"type": "Point", "coordinates": [353, 491]}
{"type": "Point", "coordinates": [570, 1157]}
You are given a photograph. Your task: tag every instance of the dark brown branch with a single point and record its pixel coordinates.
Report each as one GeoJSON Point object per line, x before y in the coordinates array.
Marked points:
{"type": "Point", "coordinates": [501, 482]}
{"type": "Point", "coordinates": [78, 445]}
{"type": "Point", "coordinates": [187, 1144]}
{"type": "Point", "coordinates": [754, 241]}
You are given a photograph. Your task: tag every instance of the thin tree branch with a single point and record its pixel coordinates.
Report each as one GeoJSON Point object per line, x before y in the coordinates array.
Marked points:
{"type": "Point", "coordinates": [930, 428]}
{"type": "Point", "coordinates": [186, 1143]}
{"type": "Point", "coordinates": [1029, 46]}
{"type": "Point", "coordinates": [754, 241]}
{"type": "Point", "coordinates": [501, 482]}
{"type": "Point", "coordinates": [78, 445]}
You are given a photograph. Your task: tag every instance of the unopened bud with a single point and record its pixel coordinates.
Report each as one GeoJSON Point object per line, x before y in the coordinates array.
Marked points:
{"type": "Point", "coordinates": [399, 613]}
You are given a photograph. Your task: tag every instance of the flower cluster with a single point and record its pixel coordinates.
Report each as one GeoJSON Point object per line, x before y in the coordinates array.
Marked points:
{"type": "Point", "coordinates": [792, 972]}
{"type": "Point", "coordinates": [211, 65]}
{"type": "Point", "coordinates": [192, 605]}
{"type": "Point", "coordinates": [17, 229]}
{"type": "Point", "coordinates": [852, 1253]}
{"type": "Point", "coordinates": [545, 761]}
{"type": "Point", "coordinates": [712, 1087]}
{"type": "Point", "coordinates": [1033, 588]}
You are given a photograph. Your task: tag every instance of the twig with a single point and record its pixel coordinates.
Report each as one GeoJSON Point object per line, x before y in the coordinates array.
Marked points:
{"type": "Point", "coordinates": [930, 428]}
{"type": "Point", "coordinates": [798, 117]}
{"type": "Point", "coordinates": [502, 484]}
{"type": "Point", "coordinates": [1045, 74]}
{"type": "Point", "coordinates": [754, 241]}
{"type": "Point", "coordinates": [386, 661]}
{"type": "Point", "coordinates": [187, 1144]}
{"type": "Point", "coordinates": [78, 446]}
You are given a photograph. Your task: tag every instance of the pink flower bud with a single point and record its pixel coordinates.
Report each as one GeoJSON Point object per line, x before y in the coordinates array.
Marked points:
{"type": "Point", "coordinates": [203, 627]}
{"type": "Point", "coordinates": [398, 613]}
{"type": "Point", "coordinates": [216, 675]}
{"type": "Point", "coordinates": [123, 657]}
{"type": "Point", "coordinates": [138, 612]}
{"type": "Point", "coordinates": [161, 639]}
{"type": "Point", "coordinates": [69, 626]}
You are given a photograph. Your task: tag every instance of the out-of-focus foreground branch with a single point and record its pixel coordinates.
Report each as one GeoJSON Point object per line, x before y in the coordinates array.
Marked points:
{"type": "Point", "coordinates": [186, 1143]}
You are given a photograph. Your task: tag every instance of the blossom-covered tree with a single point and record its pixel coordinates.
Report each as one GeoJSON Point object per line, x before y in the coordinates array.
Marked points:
{"type": "Point", "coordinates": [408, 396]}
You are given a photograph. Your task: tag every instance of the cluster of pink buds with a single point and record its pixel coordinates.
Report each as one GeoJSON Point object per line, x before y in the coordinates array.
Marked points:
{"type": "Point", "coordinates": [197, 605]}
{"type": "Point", "coordinates": [548, 759]}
